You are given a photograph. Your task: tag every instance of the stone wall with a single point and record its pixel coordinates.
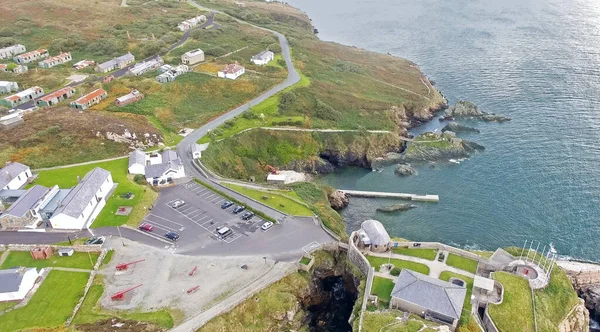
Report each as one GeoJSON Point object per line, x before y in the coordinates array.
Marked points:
{"type": "Point", "coordinates": [356, 257]}
{"type": "Point", "coordinates": [441, 246]}
{"type": "Point", "coordinates": [77, 247]}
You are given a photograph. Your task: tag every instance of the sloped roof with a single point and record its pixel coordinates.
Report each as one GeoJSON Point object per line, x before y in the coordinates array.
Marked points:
{"type": "Point", "coordinates": [27, 201]}
{"type": "Point", "coordinates": [430, 293]}
{"type": "Point", "coordinates": [158, 170]}
{"type": "Point", "coordinates": [10, 172]}
{"type": "Point", "coordinates": [169, 155]}
{"type": "Point", "coordinates": [137, 157]}
{"type": "Point", "coordinates": [90, 96]}
{"type": "Point", "coordinates": [232, 68]}
{"type": "Point", "coordinates": [263, 55]}
{"type": "Point", "coordinates": [10, 279]}
{"type": "Point", "coordinates": [376, 232]}
{"type": "Point", "coordinates": [81, 195]}
{"type": "Point", "coordinates": [57, 93]}
{"type": "Point", "coordinates": [111, 63]}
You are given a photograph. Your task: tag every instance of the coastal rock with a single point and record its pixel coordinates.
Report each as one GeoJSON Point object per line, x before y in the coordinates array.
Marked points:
{"type": "Point", "coordinates": [316, 166]}
{"type": "Point", "coordinates": [434, 146]}
{"type": "Point", "coordinates": [459, 128]}
{"type": "Point", "coordinates": [349, 158]}
{"type": "Point", "coordinates": [466, 109]}
{"type": "Point", "coordinates": [577, 321]}
{"type": "Point", "coordinates": [591, 295]}
{"type": "Point", "coordinates": [396, 207]}
{"type": "Point", "coordinates": [404, 170]}
{"type": "Point", "coordinates": [338, 200]}
{"type": "Point", "coordinates": [390, 158]}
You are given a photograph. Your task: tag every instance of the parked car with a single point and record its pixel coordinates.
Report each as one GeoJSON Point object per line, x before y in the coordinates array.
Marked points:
{"type": "Point", "coordinates": [266, 225]}
{"type": "Point", "coordinates": [146, 227]}
{"type": "Point", "coordinates": [248, 215]}
{"type": "Point", "coordinates": [95, 240]}
{"type": "Point", "coordinates": [224, 232]}
{"type": "Point", "coordinates": [239, 209]}
{"type": "Point", "coordinates": [226, 205]}
{"type": "Point", "coordinates": [178, 203]}
{"type": "Point", "coordinates": [172, 236]}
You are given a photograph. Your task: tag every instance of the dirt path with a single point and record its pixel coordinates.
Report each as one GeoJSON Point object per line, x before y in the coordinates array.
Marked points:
{"type": "Point", "coordinates": [80, 164]}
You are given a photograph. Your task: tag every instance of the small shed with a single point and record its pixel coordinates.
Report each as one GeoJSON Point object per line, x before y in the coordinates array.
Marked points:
{"type": "Point", "coordinates": [379, 237]}
{"type": "Point", "coordinates": [66, 252]}
{"type": "Point", "coordinates": [276, 178]}
{"type": "Point", "coordinates": [485, 284]}
{"type": "Point", "coordinates": [41, 252]}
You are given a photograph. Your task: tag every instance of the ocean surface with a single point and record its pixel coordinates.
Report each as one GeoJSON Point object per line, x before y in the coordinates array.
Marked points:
{"type": "Point", "coordinates": [536, 61]}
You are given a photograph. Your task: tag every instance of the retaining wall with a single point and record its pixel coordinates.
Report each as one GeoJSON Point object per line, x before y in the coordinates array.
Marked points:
{"type": "Point", "coordinates": [77, 247]}
{"type": "Point", "coordinates": [441, 246]}
{"type": "Point", "coordinates": [358, 259]}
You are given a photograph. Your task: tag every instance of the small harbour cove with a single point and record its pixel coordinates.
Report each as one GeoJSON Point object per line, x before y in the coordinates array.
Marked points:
{"type": "Point", "coordinates": [537, 178]}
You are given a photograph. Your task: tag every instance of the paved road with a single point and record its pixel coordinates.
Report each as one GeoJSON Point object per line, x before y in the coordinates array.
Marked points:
{"type": "Point", "coordinates": [123, 71]}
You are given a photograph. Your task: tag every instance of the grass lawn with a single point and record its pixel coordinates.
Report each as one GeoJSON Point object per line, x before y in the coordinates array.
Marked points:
{"type": "Point", "coordinates": [278, 199]}
{"type": "Point", "coordinates": [376, 262]}
{"type": "Point", "coordinates": [376, 321]}
{"type": "Point", "coordinates": [421, 253]}
{"type": "Point", "coordinates": [554, 302]}
{"type": "Point", "coordinates": [143, 196]}
{"type": "Point", "coordinates": [7, 305]}
{"type": "Point", "coordinates": [79, 260]}
{"type": "Point", "coordinates": [91, 312]}
{"type": "Point", "coordinates": [51, 305]}
{"type": "Point", "coordinates": [515, 313]}
{"type": "Point", "coordinates": [382, 287]}
{"type": "Point", "coordinates": [466, 313]}
{"type": "Point", "coordinates": [305, 260]}
{"type": "Point", "coordinates": [108, 257]}
{"type": "Point", "coordinates": [462, 263]}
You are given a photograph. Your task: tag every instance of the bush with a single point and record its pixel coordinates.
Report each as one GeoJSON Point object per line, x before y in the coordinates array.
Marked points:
{"type": "Point", "coordinates": [395, 272]}
{"type": "Point", "coordinates": [140, 179]}
{"type": "Point", "coordinates": [215, 51]}
{"type": "Point", "coordinates": [326, 112]}
{"type": "Point", "coordinates": [287, 123]}
{"type": "Point", "coordinates": [281, 63]}
{"type": "Point", "coordinates": [275, 48]}
{"type": "Point", "coordinates": [66, 141]}
{"type": "Point", "coordinates": [249, 115]}
{"type": "Point", "coordinates": [268, 40]}
{"type": "Point", "coordinates": [229, 124]}
{"type": "Point", "coordinates": [285, 100]}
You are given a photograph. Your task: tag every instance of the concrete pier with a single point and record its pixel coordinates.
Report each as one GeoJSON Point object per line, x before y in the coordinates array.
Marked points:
{"type": "Point", "coordinates": [377, 194]}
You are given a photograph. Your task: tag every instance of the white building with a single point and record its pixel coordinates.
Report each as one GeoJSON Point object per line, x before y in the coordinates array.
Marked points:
{"type": "Point", "coordinates": [143, 67]}
{"type": "Point", "coordinates": [197, 150]}
{"type": "Point", "coordinates": [16, 283]}
{"type": "Point", "coordinates": [25, 211]}
{"type": "Point", "coordinates": [232, 71]}
{"type": "Point", "coordinates": [84, 202]}
{"type": "Point", "coordinates": [192, 22]}
{"type": "Point", "coordinates": [56, 60]}
{"type": "Point", "coordinates": [192, 57]}
{"type": "Point", "coordinates": [8, 52]}
{"type": "Point", "coordinates": [263, 58]}
{"type": "Point", "coordinates": [116, 63]}
{"type": "Point", "coordinates": [31, 56]}
{"type": "Point", "coordinates": [137, 162]}
{"type": "Point", "coordinates": [14, 176]}
{"type": "Point", "coordinates": [170, 73]}
{"type": "Point", "coordinates": [22, 97]}
{"type": "Point", "coordinates": [8, 87]}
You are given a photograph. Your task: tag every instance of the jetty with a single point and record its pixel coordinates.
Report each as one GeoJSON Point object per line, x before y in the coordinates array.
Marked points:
{"type": "Point", "coordinates": [378, 194]}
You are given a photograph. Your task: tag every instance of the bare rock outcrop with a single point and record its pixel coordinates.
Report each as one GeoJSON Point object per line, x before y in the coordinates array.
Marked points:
{"type": "Point", "coordinates": [576, 321]}
{"type": "Point", "coordinates": [468, 110]}
{"type": "Point", "coordinates": [338, 200]}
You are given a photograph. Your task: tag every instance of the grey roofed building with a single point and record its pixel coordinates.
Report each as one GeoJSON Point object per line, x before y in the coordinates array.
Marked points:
{"type": "Point", "coordinates": [137, 157]}
{"type": "Point", "coordinates": [156, 171]}
{"type": "Point", "coordinates": [376, 232]}
{"type": "Point", "coordinates": [434, 295]}
{"type": "Point", "coordinates": [10, 279]}
{"type": "Point", "coordinates": [169, 155]}
{"type": "Point", "coordinates": [27, 201]}
{"type": "Point", "coordinates": [108, 65]}
{"type": "Point", "coordinates": [263, 55]}
{"type": "Point", "coordinates": [10, 172]}
{"type": "Point", "coordinates": [81, 195]}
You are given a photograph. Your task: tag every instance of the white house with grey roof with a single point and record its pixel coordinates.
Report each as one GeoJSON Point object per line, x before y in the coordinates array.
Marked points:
{"type": "Point", "coordinates": [24, 212]}
{"type": "Point", "coordinates": [84, 202]}
{"type": "Point", "coordinates": [137, 162]}
{"type": "Point", "coordinates": [428, 297]}
{"type": "Point", "coordinates": [14, 176]}
{"type": "Point", "coordinates": [372, 235]}
{"type": "Point", "coordinates": [116, 63]}
{"type": "Point", "coordinates": [10, 51]}
{"type": "Point", "coordinates": [158, 168]}
{"type": "Point", "coordinates": [16, 283]}
{"type": "Point", "coordinates": [263, 58]}
{"type": "Point", "coordinates": [8, 87]}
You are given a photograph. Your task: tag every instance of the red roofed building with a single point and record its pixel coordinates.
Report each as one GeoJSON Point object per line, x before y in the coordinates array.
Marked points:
{"type": "Point", "coordinates": [31, 56]}
{"type": "Point", "coordinates": [56, 97]}
{"type": "Point", "coordinates": [90, 99]}
{"type": "Point", "coordinates": [22, 97]}
{"type": "Point", "coordinates": [232, 71]}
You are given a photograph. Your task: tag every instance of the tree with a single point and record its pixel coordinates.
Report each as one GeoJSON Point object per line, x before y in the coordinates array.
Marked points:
{"type": "Point", "coordinates": [286, 100]}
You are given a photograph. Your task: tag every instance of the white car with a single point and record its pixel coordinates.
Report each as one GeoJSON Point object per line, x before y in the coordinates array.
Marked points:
{"type": "Point", "coordinates": [266, 225]}
{"type": "Point", "coordinates": [177, 203]}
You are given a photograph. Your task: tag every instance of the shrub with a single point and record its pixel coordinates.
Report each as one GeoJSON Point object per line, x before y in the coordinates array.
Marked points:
{"type": "Point", "coordinates": [249, 115]}
{"type": "Point", "coordinates": [215, 51]}
{"type": "Point", "coordinates": [229, 124]}
{"type": "Point", "coordinates": [268, 40]}
{"type": "Point", "coordinates": [281, 63]}
{"type": "Point", "coordinates": [140, 179]}
{"type": "Point", "coordinates": [395, 272]}
{"type": "Point", "coordinates": [285, 100]}
{"type": "Point", "coordinates": [66, 141]}
{"type": "Point", "coordinates": [326, 112]}
{"type": "Point", "coordinates": [275, 48]}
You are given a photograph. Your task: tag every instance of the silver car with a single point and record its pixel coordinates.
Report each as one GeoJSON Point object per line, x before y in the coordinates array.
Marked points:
{"type": "Point", "coordinates": [178, 203]}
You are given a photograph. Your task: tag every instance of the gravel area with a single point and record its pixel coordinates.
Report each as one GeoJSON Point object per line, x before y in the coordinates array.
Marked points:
{"type": "Point", "coordinates": [165, 278]}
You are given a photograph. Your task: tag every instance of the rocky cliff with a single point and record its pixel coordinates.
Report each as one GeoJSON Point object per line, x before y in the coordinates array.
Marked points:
{"type": "Point", "coordinates": [466, 109]}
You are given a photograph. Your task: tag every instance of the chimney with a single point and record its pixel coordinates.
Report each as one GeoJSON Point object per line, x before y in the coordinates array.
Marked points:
{"type": "Point", "coordinates": [78, 179]}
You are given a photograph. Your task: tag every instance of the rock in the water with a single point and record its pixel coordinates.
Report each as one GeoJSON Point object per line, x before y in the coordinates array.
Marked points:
{"type": "Point", "coordinates": [404, 170]}
{"type": "Point", "coordinates": [396, 207]}
{"type": "Point", "coordinates": [338, 200]}
{"type": "Point", "coordinates": [466, 109]}
{"type": "Point", "coordinates": [389, 159]}
{"type": "Point", "coordinates": [458, 128]}
{"type": "Point", "coordinates": [434, 147]}
{"type": "Point", "coordinates": [471, 146]}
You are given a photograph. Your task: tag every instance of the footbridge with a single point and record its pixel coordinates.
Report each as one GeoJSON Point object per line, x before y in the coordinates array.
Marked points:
{"type": "Point", "coordinates": [379, 194]}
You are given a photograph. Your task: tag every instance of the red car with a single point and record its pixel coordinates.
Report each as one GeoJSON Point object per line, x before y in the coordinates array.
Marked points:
{"type": "Point", "coordinates": [146, 227]}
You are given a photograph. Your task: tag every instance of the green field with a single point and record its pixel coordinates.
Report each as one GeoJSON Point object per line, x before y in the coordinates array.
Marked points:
{"type": "Point", "coordinates": [91, 312]}
{"type": "Point", "coordinates": [462, 263]}
{"type": "Point", "coordinates": [376, 262]}
{"type": "Point", "coordinates": [515, 313]}
{"type": "Point", "coordinates": [79, 260]}
{"type": "Point", "coordinates": [277, 199]}
{"type": "Point", "coordinates": [316, 196]}
{"type": "Point", "coordinates": [305, 261]}
{"type": "Point", "coordinates": [143, 196]}
{"type": "Point", "coordinates": [428, 254]}
{"type": "Point", "coordinates": [382, 287]}
{"type": "Point", "coordinates": [554, 302]}
{"type": "Point", "coordinates": [388, 322]}
{"type": "Point", "coordinates": [7, 305]}
{"type": "Point", "coordinates": [51, 305]}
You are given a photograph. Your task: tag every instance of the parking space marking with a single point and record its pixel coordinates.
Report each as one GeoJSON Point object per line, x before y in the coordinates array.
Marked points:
{"type": "Point", "coordinates": [185, 209]}
{"type": "Point", "coordinates": [165, 219]}
{"type": "Point", "coordinates": [192, 216]}
{"type": "Point", "coordinates": [207, 222]}
{"type": "Point", "coordinates": [311, 246]}
{"type": "Point", "coordinates": [206, 194]}
{"type": "Point", "coordinates": [230, 239]}
{"type": "Point", "coordinates": [220, 202]}
{"type": "Point", "coordinates": [163, 227]}
{"type": "Point", "coordinates": [214, 200]}
{"type": "Point", "coordinates": [211, 197]}
{"type": "Point", "coordinates": [199, 189]}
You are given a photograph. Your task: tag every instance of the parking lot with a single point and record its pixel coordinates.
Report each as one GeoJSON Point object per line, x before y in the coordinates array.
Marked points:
{"type": "Point", "coordinates": [198, 219]}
